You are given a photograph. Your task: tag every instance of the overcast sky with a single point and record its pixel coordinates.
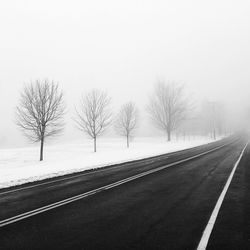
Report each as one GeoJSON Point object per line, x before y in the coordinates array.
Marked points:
{"type": "Point", "coordinates": [123, 47]}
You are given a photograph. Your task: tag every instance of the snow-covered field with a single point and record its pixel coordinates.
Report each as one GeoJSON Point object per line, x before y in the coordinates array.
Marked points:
{"type": "Point", "coordinates": [21, 165]}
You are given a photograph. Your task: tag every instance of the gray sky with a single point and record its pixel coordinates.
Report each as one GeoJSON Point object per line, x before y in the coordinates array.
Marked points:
{"type": "Point", "coordinates": [123, 47]}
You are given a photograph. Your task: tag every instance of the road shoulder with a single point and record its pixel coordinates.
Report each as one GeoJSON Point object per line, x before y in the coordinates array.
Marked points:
{"type": "Point", "coordinates": [232, 228]}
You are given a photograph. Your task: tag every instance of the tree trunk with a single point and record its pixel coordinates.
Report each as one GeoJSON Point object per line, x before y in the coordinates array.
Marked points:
{"type": "Point", "coordinates": [169, 135]}
{"type": "Point", "coordinates": [94, 144]}
{"type": "Point", "coordinates": [41, 149]}
{"type": "Point", "coordinates": [127, 141]}
{"type": "Point", "coordinates": [214, 134]}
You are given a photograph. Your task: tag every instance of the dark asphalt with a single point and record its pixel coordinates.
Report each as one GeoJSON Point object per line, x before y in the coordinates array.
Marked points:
{"type": "Point", "coordinates": [232, 228]}
{"type": "Point", "coordinates": [165, 210]}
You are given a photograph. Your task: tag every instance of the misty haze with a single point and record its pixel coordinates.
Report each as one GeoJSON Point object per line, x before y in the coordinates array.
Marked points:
{"type": "Point", "coordinates": [124, 124]}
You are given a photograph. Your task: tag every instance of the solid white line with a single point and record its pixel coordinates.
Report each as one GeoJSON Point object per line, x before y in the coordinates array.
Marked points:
{"type": "Point", "coordinates": [79, 174]}
{"type": "Point", "coordinates": [208, 230]}
{"type": "Point", "coordinates": [98, 190]}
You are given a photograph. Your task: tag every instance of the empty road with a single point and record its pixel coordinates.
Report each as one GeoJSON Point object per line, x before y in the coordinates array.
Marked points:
{"type": "Point", "coordinates": [162, 202]}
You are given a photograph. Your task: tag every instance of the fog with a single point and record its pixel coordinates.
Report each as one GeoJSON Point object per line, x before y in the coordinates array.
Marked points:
{"type": "Point", "coordinates": [123, 47]}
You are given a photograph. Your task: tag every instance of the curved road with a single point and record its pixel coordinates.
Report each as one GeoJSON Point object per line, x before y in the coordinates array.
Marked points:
{"type": "Point", "coordinates": [166, 209]}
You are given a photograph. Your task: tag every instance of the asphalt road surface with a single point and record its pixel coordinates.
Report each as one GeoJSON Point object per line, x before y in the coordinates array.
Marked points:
{"type": "Point", "coordinates": [166, 209]}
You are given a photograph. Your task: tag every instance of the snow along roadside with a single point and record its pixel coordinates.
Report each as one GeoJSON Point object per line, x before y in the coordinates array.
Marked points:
{"type": "Point", "coordinates": [20, 166]}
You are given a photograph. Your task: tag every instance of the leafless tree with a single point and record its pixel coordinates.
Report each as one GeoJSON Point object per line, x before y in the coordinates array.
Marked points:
{"type": "Point", "coordinates": [126, 120]}
{"type": "Point", "coordinates": [40, 111]}
{"type": "Point", "coordinates": [94, 115]}
{"type": "Point", "coordinates": [215, 118]}
{"type": "Point", "coordinates": [218, 118]}
{"type": "Point", "coordinates": [168, 106]}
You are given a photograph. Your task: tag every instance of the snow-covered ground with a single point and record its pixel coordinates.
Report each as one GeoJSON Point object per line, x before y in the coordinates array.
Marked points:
{"type": "Point", "coordinates": [21, 165]}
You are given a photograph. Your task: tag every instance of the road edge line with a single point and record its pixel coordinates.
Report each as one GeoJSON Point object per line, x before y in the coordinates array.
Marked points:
{"type": "Point", "coordinates": [28, 214]}
{"type": "Point", "coordinates": [209, 227]}
{"type": "Point", "coordinates": [101, 169]}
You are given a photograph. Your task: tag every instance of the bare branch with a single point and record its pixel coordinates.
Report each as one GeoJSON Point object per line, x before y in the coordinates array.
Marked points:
{"type": "Point", "coordinates": [168, 106]}
{"type": "Point", "coordinates": [126, 120]}
{"type": "Point", "coordinates": [94, 115]}
{"type": "Point", "coordinates": [40, 111]}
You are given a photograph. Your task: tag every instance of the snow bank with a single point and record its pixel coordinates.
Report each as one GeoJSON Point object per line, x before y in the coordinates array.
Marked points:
{"type": "Point", "coordinates": [19, 166]}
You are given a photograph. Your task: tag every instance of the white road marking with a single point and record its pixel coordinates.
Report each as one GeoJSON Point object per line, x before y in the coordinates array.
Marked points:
{"type": "Point", "coordinates": [96, 171]}
{"type": "Point", "coordinates": [113, 166]}
{"type": "Point", "coordinates": [208, 230]}
{"type": "Point", "coordinates": [28, 214]}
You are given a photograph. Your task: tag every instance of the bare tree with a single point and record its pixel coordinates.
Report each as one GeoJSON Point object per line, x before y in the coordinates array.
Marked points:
{"type": "Point", "coordinates": [168, 106]}
{"type": "Point", "coordinates": [218, 118]}
{"type": "Point", "coordinates": [126, 120]}
{"type": "Point", "coordinates": [94, 115]}
{"type": "Point", "coordinates": [40, 111]}
{"type": "Point", "coordinates": [215, 118]}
